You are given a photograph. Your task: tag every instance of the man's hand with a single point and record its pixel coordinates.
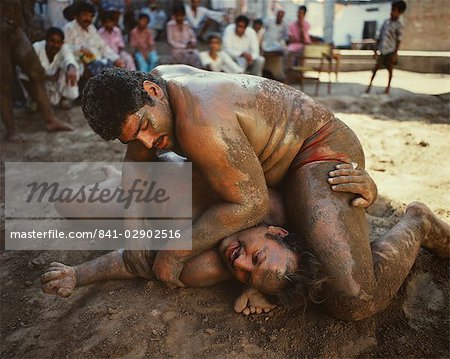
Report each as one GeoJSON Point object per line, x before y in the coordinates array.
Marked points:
{"type": "Point", "coordinates": [86, 52]}
{"type": "Point", "coordinates": [348, 178]}
{"type": "Point", "coordinates": [71, 75]}
{"type": "Point", "coordinates": [248, 57]}
{"type": "Point", "coordinates": [168, 266]}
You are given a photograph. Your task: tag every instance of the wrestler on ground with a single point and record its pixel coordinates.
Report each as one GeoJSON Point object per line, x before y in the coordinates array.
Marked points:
{"type": "Point", "coordinates": [246, 134]}
{"type": "Point", "coordinates": [264, 256]}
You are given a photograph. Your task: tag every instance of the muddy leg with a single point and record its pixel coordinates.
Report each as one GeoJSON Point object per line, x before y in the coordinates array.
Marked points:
{"type": "Point", "coordinates": [6, 100]}
{"type": "Point", "coordinates": [364, 279]}
{"type": "Point", "coordinates": [28, 61]}
{"type": "Point", "coordinates": [374, 72]}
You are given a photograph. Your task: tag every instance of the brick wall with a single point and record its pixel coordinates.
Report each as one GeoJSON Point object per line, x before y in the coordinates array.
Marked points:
{"type": "Point", "coordinates": [426, 25]}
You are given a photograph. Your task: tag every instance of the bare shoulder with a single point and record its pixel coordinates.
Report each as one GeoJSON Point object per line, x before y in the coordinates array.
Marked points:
{"type": "Point", "coordinates": [171, 71]}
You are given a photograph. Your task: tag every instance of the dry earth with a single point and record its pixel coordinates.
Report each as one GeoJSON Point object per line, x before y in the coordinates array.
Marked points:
{"type": "Point", "coordinates": [405, 138]}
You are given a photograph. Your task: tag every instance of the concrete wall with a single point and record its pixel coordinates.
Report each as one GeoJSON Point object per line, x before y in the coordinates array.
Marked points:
{"type": "Point", "coordinates": [349, 20]}
{"type": "Point", "coordinates": [427, 25]}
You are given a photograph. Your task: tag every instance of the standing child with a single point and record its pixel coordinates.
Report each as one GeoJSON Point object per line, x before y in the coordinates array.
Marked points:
{"type": "Point", "coordinates": [113, 37]}
{"type": "Point", "coordinates": [388, 43]}
{"type": "Point", "coordinates": [141, 39]}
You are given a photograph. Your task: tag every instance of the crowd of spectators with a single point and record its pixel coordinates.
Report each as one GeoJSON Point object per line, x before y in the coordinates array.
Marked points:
{"type": "Point", "coordinates": [87, 36]}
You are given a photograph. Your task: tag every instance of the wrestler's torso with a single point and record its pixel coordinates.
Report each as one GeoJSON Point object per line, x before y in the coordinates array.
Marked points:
{"type": "Point", "coordinates": [275, 118]}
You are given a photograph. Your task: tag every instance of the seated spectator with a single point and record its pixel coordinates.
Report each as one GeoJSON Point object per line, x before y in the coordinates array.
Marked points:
{"type": "Point", "coordinates": [128, 18]}
{"type": "Point", "coordinates": [258, 26]}
{"type": "Point", "coordinates": [141, 39]}
{"type": "Point", "coordinates": [113, 37]}
{"type": "Point", "coordinates": [157, 18]}
{"type": "Point", "coordinates": [200, 18]}
{"type": "Point", "coordinates": [55, 12]}
{"type": "Point", "coordinates": [61, 73]}
{"type": "Point", "coordinates": [241, 43]}
{"type": "Point", "coordinates": [298, 36]}
{"type": "Point", "coordinates": [181, 39]}
{"type": "Point", "coordinates": [275, 34]}
{"type": "Point", "coordinates": [89, 48]}
{"type": "Point", "coordinates": [217, 60]}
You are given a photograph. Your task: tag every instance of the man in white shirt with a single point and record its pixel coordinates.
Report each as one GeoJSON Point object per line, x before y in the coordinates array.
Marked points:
{"type": "Point", "coordinates": [200, 18]}
{"type": "Point", "coordinates": [216, 60]}
{"type": "Point", "coordinates": [275, 34]}
{"type": "Point", "coordinates": [61, 73]}
{"type": "Point", "coordinates": [88, 47]}
{"type": "Point", "coordinates": [241, 43]}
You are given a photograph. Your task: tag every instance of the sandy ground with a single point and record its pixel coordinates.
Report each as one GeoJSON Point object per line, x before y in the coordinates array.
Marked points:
{"type": "Point", "coordinates": [405, 138]}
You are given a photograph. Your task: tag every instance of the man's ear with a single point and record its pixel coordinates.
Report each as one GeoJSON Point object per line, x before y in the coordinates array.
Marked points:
{"type": "Point", "coordinates": [153, 89]}
{"type": "Point", "coordinates": [278, 231]}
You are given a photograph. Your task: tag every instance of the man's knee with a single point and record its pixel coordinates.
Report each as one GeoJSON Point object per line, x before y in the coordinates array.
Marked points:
{"type": "Point", "coordinates": [355, 306]}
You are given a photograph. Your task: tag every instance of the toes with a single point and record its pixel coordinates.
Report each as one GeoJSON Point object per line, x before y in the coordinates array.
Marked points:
{"type": "Point", "coordinates": [266, 310]}
{"type": "Point", "coordinates": [252, 309]}
{"type": "Point", "coordinates": [246, 311]}
{"type": "Point", "coordinates": [240, 303]}
{"type": "Point", "coordinates": [48, 276]}
{"type": "Point", "coordinates": [258, 310]}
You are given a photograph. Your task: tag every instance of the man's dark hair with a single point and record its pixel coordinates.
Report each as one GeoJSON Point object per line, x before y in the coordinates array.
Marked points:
{"type": "Point", "coordinates": [83, 6]}
{"type": "Point", "coordinates": [178, 8]}
{"type": "Point", "coordinates": [305, 283]}
{"type": "Point", "coordinates": [302, 8]}
{"type": "Point", "coordinates": [244, 19]}
{"type": "Point", "coordinates": [214, 36]}
{"type": "Point", "coordinates": [108, 15]}
{"type": "Point", "coordinates": [399, 5]}
{"type": "Point", "coordinates": [54, 31]}
{"type": "Point", "coordinates": [257, 22]}
{"type": "Point", "coordinates": [143, 16]}
{"type": "Point", "coordinates": [109, 97]}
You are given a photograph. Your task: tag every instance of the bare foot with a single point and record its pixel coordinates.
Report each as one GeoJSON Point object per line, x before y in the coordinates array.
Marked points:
{"type": "Point", "coordinates": [59, 280]}
{"type": "Point", "coordinates": [252, 301]}
{"type": "Point", "coordinates": [15, 137]}
{"type": "Point", "coordinates": [437, 239]}
{"type": "Point", "coordinates": [58, 125]}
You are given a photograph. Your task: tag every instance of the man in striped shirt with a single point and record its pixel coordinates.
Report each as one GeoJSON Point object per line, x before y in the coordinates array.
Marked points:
{"type": "Point", "coordinates": [388, 43]}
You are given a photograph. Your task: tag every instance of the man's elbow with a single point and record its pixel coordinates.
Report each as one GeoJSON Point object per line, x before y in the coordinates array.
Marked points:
{"type": "Point", "coordinates": [257, 209]}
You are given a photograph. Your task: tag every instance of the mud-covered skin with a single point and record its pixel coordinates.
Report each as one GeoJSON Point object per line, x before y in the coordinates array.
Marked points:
{"type": "Point", "coordinates": [16, 49]}
{"type": "Point", "coordinates": [253, 127]}
{"type": "Point", "coordinates": [364, 276]}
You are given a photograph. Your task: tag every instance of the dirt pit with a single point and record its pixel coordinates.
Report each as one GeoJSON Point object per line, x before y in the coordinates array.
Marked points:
{"type": "Point", "coordinates": [133, 319]}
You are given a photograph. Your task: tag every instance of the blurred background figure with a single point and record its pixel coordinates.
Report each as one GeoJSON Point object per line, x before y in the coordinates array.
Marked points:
{"type": "Point", "coordinates": [182, 39]}
{"type": "Point", "coordinates": [216, 60]}
{"type": "Point", "coordinates": [200, 18]}
{"type": "Point", "coordinates": [16, 49]}
{"type": "Point", "coordinates": [157, 18]}
{"type": "Point", "coordinates": [61, 73]}
{"type": "Point", "coordinates": [275, 35]}
{"type": "Point", "coordinates": [141, 39]}
{"type": "Point", "coordinates": [112, 35]}
{"type": "Point", "coordinates": [92, 53]}
{"type": "Point", "coordinates": [55, 12]}
{"type": "Point", "coordinates": [258, 26]}
{"type": "Point", "coordinates": [298, 36]}
{"type": "Point", "coordinates": [241, 43]}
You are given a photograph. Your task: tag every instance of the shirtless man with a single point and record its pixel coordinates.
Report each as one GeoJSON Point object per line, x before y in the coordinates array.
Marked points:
{"type": "Point", "coordinates": [246, 134]}
{"type": "Point", "coordinates": [268, 262]}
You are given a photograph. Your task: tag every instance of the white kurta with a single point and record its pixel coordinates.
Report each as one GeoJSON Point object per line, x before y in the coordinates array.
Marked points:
{"type": "Point", "coordinates": [59, 88]}
{"type": "Point", "coordinates": [223, 63]}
